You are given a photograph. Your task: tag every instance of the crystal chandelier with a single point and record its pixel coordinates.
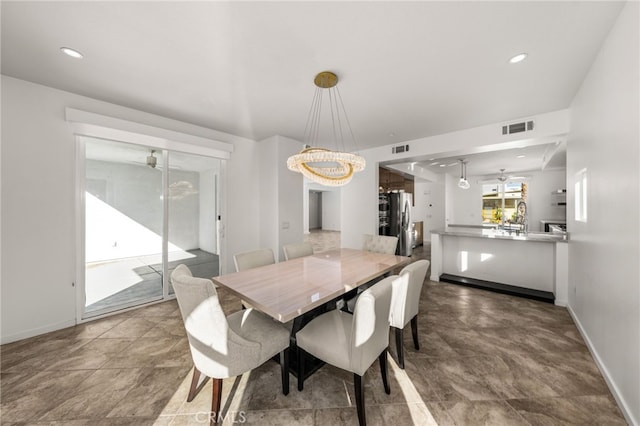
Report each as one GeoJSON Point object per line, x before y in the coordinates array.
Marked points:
{"type": "Point", "coordinates": [324, 166]}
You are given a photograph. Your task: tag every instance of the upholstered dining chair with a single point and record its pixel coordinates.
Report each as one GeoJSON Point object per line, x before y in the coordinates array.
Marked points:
{"type": "Point", "coordinates": [379, 243]}
{"type": "Point", "coordinates": [351, 342]}
{"type": "Point", "coordinates": [405, 301]}
{"type": "Point", "coordinates": [375, 244]}
{"type": "Point", "coordinates": [225, 346]}
{"type": "Point", "coordinates": [291, 251]}
{"type": "Point", "coordinates": [252, 259]}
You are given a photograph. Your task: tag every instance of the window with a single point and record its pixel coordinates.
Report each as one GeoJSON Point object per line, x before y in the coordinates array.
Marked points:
{"type": "Point", "coordinates": [580, 187]}
{"type": "Point", "coordinates": [500, 201]}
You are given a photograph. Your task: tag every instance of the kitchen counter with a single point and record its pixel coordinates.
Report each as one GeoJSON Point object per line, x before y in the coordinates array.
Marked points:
{"type": "Point", "coordinates": [532, 264]}
{"type": "Point", "coordinates": [547, 237]}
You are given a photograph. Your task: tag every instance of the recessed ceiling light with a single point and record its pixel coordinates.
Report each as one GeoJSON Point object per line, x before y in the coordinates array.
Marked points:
{"type": "Point", "coordinates": [443, 165]}
{"type": "Point", "coordinates": [71, 52]}
{"type": "Point", "coordinates": [518, 58]}
{"type": "Point", "coordinates": [520, 156]}
{"type": "Point", "coordinates": [435, 163]}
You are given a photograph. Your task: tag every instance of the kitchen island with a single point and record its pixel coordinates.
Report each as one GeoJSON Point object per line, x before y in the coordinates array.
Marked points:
{"type": "Point", "coordinates": [532, 264]}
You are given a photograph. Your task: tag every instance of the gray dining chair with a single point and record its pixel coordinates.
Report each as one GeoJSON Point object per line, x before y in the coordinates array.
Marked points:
{"type": "Point", "coordinates": [405, 301]}
{"type": "Point", "coordinates": [225, 346]}
{"type": "Point", "coordinates": [292, 251]}
{"type": "Point", "coordinates": [351, 342]}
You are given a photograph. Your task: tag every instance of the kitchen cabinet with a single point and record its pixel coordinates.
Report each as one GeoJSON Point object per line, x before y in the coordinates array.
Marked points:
{"type": "Point", "coordinates": [389, 180]}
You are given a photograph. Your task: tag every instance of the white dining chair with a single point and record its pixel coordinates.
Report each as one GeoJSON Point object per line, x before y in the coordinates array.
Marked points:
{"type": "Point", "coordinates": [292, 251]}
{"type": "Point", "coordinates": [351, 342]}
{"type": "Point", "coordinates": [225, 346]}
{"type": "Point", "coordinates": [379, 243]}
{"type": "Point", "coordinates": [253, 259]}
{"type": "Point", "coordinates": [405, 301]}
{"type": "Point", "coordinates": [384, 244]}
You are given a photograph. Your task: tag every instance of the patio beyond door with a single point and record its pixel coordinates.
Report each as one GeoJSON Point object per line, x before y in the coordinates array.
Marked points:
{"type": "Point", "coordinates": [146, 210]}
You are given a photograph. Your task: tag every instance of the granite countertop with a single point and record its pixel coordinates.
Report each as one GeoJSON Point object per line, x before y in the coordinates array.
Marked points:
{"type": "Point", "coordinates": [548, 237]}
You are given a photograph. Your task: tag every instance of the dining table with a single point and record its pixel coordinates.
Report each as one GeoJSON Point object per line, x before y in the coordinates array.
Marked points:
{"type": "Point", "coordinates": [297, 290]}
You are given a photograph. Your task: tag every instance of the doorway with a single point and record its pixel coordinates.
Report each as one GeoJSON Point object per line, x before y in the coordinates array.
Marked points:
{"type": "Point", "coordinates": [146, 210]}
{"type": "Point", "coordinates": [315, 210]}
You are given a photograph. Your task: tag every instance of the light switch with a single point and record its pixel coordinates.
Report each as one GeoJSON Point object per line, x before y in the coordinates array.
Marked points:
{"type": "Point", "coordinates": [285, 225]}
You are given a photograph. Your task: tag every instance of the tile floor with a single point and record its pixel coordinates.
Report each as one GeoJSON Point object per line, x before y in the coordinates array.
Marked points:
{"type": "Point", "coordinates": [485, 358]}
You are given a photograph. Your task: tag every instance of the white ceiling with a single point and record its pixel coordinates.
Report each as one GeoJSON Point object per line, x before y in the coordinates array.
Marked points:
{"type": "Point", "coordinates": [411, 69]}
{"type": "Point", "coordinates": [549, 156]}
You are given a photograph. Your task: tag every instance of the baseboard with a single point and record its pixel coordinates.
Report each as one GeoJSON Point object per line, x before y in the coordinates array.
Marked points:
{"type": "Point", "coordinates": [622, 403]}
{"type": "Point", "coordinates": [36, 331]}
{"type": "Point", "coordinates": [562, 303]}
{"type": "Point", "coordinates": [543, 296]}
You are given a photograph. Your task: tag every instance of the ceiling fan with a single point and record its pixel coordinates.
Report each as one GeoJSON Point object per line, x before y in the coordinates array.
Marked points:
{"type": "Point", "coordinates": [151, 161]}
{"type": "Point", "coordinates": [504, 178]}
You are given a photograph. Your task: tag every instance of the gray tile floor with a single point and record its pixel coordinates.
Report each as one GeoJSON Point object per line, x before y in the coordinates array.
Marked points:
{"type": "Point", "coordinates": [485, 359]}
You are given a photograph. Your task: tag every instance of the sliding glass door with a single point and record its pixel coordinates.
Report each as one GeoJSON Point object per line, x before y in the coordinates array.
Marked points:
{"type": "Point", "coordinates": [193, 214]}
{"type": "Point", "coordinates": [143, 218]}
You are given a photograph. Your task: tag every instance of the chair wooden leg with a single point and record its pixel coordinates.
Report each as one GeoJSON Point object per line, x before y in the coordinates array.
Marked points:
{"type": "Point", "coordinates": [357, 381]}
{"type": "Point", "coordinates": [284, 366]}
{"type": "Point", "coordinates": [414, 332]}
{"type": "Point", "coordinates": [193, 390]}
{"type": "Point", "coordinates": [301, 359]}
{"type": "Point", "coordinates": [383, 370]}
{"type": "Point", "coordinates": [399, 347]}
{"type": "Point", "coordinates": [216, 398]}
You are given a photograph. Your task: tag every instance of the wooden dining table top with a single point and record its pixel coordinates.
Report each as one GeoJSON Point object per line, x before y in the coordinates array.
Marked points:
{"type": "Point", "coordinates": [286, 290]}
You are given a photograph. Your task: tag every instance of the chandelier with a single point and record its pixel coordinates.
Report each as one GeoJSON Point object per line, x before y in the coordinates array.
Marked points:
{"type": "Point", "coordinates": [463, 182]}
{"type": "Point", "coordinates": [325, 166]}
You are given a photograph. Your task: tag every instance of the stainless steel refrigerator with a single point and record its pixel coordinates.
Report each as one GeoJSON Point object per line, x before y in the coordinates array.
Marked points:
{"type": "Point", "coordinates": [400, 221]}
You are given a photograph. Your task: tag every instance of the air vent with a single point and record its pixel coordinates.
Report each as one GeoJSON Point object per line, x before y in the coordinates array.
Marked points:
{"type": "Point", "coordinates": [523, 126]}
{"type": "Point", "coordinates": [400, 148]}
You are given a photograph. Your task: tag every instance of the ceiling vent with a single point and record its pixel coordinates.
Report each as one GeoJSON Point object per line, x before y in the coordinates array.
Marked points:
{"type": "Point", "coordinates": [523, 126]}
{"type": "Point", "coordinates": [399, 149]}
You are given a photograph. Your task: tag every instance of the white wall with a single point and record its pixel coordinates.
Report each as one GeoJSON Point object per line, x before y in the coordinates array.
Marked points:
{"type": "Point", "coordinates": [539, 198]}
{"type": "Point", "coordinates": [465, 205]}
{"type": "Point", "coordinates": [268, 195]}
{"type": "Point", "coordinates": [604, 277]}
{"type": "Point", "coordinates": [359, 201]}
{"type": "Point", "coordinates": [290, 186]}
{"type": "Point", "coordinates": [429, 206]}
{"type": "Point", "coordinates": [331, 208]}
{"type": "Point", "coordinates": [207, 217]}
{"type": "Point", "coordinates": [281, 198]}
{"type": "Point", "coordinates": [239, 214]}
{"type": "Point", "coordinates": [38, 202]}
